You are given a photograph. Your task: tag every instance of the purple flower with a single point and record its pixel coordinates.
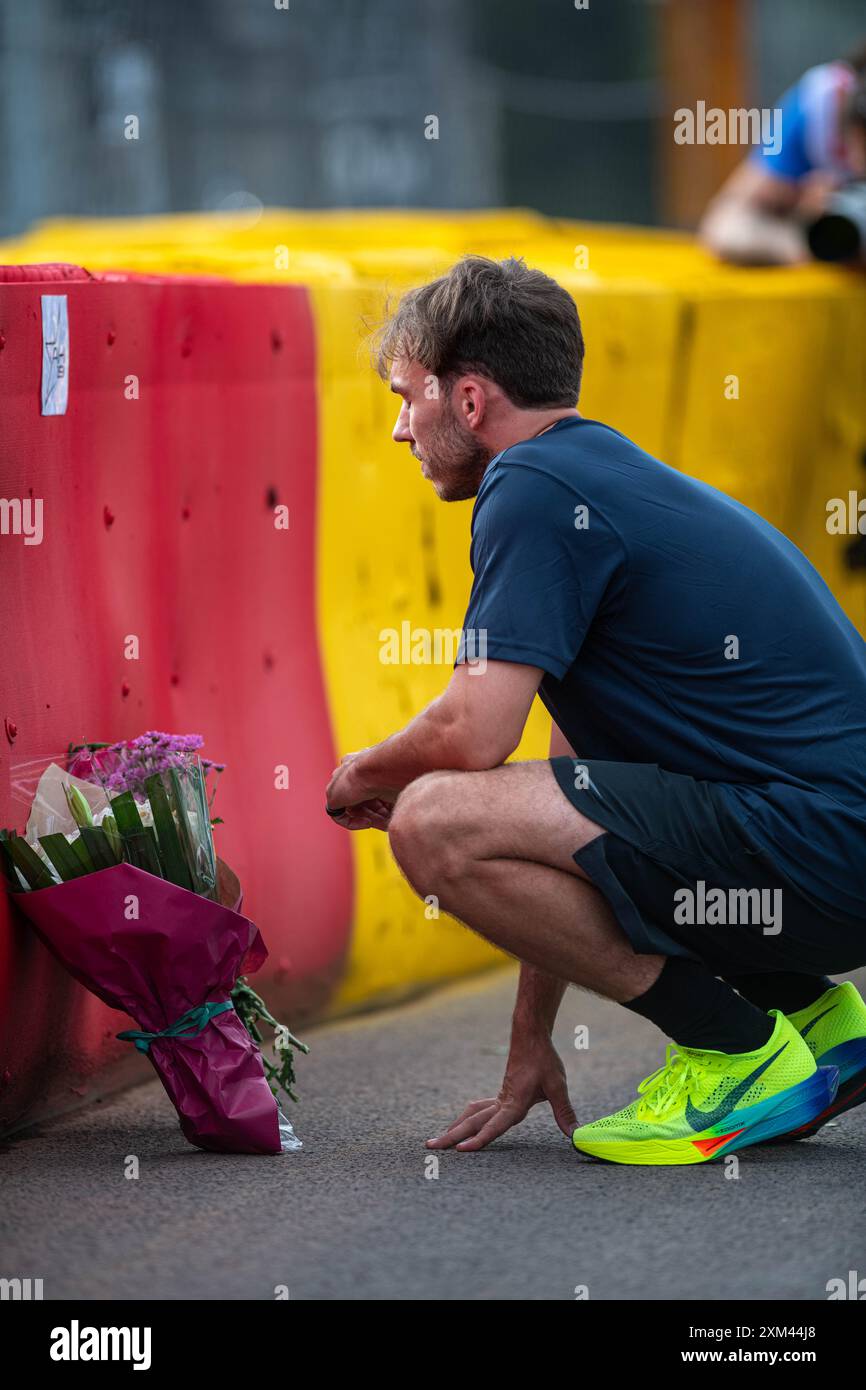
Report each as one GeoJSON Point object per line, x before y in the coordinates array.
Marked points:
{"type": "Point", "coordinates": [125, 766]}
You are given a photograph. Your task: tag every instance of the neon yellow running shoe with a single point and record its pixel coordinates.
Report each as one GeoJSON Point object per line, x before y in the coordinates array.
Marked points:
{"type": "Point", "coordinates": [702, 1105]}
{"type": "Point", "coordinates": [834, 1030]}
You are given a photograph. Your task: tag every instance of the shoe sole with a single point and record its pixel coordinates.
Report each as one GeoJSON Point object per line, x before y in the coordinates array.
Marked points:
{"type": "Point", "coordinates": [791, 1109]}
{"type": "Point", "coordinates": [850, 1058]}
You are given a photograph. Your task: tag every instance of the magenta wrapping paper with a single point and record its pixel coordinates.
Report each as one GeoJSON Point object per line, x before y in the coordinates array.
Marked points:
{"type": "Point", "coordinates": [182, 951]}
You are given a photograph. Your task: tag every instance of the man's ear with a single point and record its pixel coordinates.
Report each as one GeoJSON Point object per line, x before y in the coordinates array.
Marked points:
{"type": "Point", "coordinates": [473, 402]}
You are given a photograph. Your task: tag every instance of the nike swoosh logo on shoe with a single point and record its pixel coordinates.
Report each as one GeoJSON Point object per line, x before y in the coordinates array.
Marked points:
{"type": "Point", "coordinates": [705, 1119]}
{"type": "Point", "coordinates": [816, 1019]}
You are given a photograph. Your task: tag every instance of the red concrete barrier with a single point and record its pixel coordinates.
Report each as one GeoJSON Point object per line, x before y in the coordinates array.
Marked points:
{"type": "Point", "coordinates": [191, 416]}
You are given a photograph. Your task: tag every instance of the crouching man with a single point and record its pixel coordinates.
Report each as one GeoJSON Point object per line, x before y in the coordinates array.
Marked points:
{"type": "Point", "coordinates": [708, 698]}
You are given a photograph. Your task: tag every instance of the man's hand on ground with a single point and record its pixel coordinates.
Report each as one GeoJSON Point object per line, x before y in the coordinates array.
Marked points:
{"type": "Point", "coordinates": [534, 1073]}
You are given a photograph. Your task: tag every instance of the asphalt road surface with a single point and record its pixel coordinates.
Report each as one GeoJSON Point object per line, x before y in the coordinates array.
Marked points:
{"type": "Point", "coordinates": [355, 1216]}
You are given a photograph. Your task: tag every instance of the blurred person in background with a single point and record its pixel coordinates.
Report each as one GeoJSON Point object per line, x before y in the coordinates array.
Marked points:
{"type": "Point", "coordinates": [761, 214]}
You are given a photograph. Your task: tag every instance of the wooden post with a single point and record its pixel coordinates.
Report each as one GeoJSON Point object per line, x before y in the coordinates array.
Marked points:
{"type": "Point", "coordinates": [703, 47]}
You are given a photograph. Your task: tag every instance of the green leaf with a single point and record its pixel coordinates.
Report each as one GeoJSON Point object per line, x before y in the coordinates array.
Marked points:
{"type": "Point", "coordinates": [125, 812]}
{"type": "Point", "coordinates": [170, 848]}
{"type": "Point", "coordinates": [139, 841]}
{"type": "Point", "coordinates": [250, 1007]}
{"type": "Point", "coordinates": [109, 825]}
{"type": "Point", "coordinates": [33, 869]}
{"type": "Point", "coordinates": [79, 849]}
{"type": "Point", "coordinates": [7, 862]}
{"type": "Point", "coordinates": [98, 847]}
{"type": "Point", "coordinates": [74, 748]}
{"type": "Point", "coordinates": [148, 849]}
{"type": "Point", "coordinates": [62, 856]}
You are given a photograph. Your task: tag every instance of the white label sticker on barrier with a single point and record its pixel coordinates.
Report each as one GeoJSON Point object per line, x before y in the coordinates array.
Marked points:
{"type": "Point", "coordinates": [55, 354]}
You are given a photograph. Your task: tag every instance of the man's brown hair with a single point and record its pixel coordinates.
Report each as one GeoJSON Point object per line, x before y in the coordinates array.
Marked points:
{"type": "Point", "coordinates": [500, 319]}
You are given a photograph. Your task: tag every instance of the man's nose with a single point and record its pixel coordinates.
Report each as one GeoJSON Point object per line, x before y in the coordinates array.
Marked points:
{"type": "Point", "coordinates": [401, 434]}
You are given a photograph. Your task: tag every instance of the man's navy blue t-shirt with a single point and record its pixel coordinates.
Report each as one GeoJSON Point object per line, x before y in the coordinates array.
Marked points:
{"type": "Point", "coordinates": [676, 627]}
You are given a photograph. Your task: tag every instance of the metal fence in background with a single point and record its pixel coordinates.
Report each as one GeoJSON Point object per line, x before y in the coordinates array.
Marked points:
{"type": "Point", "coordinates": [328, 102]}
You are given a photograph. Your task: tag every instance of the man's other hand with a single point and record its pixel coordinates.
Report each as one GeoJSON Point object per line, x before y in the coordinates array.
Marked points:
{"type": "Point", "coordinates": [534, 1073]}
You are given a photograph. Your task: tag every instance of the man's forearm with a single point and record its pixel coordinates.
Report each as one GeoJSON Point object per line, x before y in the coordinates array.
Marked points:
{"type": "Point", "coordinates": [749, 236]}
{"type": "Point", "coordinates": [539, 996]}
{"type": "Point", "coordinates": [475, 724]}
{"type": "Point", "coordinates": [428, 743]}
{"type": "Point", "coordinates": [437, 738]}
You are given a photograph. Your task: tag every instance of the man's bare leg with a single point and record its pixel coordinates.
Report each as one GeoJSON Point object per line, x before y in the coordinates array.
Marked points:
{"type": "Point", "coordinates": [495, 848]}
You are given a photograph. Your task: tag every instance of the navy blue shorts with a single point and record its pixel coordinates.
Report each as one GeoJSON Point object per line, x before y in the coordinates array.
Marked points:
{"type": "Point", "coordinates": [684, 878]}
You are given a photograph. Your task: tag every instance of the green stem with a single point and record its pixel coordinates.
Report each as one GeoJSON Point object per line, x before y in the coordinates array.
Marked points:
{"type": "Point", "coordinates": [251, 1008]}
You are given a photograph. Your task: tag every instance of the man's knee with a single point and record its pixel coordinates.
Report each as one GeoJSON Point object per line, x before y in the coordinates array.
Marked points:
{"type": "Point", "coordinates": [421, 829]}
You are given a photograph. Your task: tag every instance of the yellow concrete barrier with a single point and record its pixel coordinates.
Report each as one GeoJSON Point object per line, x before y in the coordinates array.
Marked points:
{"type": "Point", "coordinates": [754, 381]}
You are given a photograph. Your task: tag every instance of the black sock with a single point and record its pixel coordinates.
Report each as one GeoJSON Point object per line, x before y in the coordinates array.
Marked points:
{"type": "Point", "coordinates": [689, 1004]}
{"type": "Point", "coordinates": [783, 989]}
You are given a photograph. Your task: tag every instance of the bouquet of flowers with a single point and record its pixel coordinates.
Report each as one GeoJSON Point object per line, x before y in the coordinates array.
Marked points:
{"type": "Point", "coordinates": [117, 873]}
